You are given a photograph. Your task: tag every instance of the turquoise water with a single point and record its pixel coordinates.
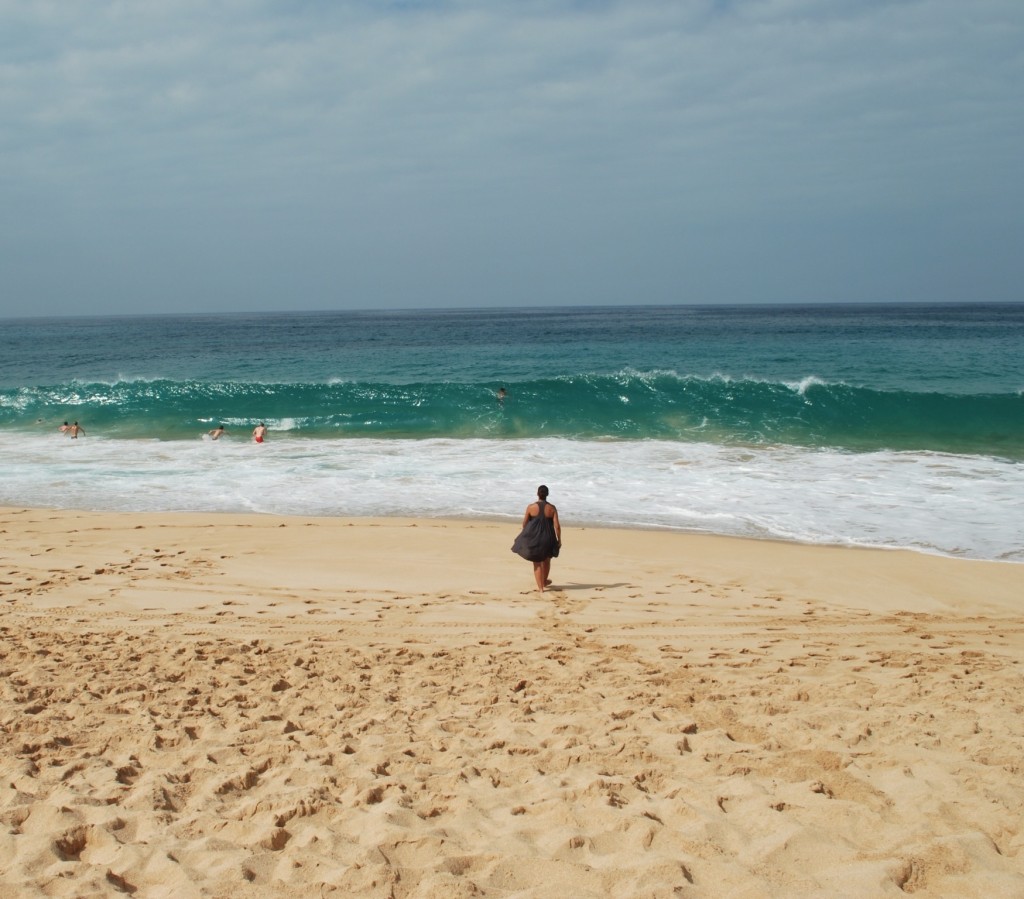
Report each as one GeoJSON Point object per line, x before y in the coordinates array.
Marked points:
{"type": "Point", "coordinates": [867, 425]}
{"type": "Point", "coordinates": [947, 379]}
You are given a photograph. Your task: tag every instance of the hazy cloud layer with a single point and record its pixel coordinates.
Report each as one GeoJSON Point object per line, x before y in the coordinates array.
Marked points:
{"type": "Point", "coordinates": [185, 155]}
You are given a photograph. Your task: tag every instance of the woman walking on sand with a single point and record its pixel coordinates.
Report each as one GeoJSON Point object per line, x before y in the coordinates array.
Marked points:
{"type": "Point", "coordinates": [541, 537]}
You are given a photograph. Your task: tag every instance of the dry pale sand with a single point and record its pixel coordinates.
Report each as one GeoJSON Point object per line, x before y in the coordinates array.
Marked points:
{"type": "Point", "coordinates": [255, 706]}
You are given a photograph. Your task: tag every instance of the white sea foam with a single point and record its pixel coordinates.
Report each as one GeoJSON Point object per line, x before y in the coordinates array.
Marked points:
{"type": "Point", "coordinates": [801, 387]}
{"type": "Point", "coordinates": [956, 505]}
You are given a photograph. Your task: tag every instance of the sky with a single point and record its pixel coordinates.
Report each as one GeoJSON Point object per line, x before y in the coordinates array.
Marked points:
{"type": "Point", "coordinates": [251, 155]}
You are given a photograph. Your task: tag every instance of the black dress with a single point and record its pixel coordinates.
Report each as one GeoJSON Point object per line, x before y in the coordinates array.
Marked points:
{"type": "Point", "coordinates": [537, 541]}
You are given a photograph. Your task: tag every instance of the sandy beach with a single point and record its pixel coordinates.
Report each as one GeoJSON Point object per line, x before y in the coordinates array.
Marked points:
{"type": "Point", "coordinates": [226, 706]}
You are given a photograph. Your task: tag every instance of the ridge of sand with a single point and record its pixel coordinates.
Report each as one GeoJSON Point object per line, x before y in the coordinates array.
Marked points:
{"type": "Point", "coordinates": [221, 705]}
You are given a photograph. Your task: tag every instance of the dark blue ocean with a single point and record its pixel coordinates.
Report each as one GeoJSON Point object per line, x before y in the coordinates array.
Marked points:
{"type": "Point", "coordinates": [896, 425]}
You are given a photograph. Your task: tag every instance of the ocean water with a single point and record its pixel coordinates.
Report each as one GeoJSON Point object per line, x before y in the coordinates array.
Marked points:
{"type": "Point", "coordinates": [891, 426]}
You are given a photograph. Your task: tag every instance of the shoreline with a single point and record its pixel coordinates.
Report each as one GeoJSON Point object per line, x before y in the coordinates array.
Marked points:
{"type": "Point", "coordinates": [209, 704]}
{"type": "Point", "coordinates": [512, 521]}
{"type": "Point", "coordinates": [701, 550]}
{"type": "Point", "coordinates": [957, 506]}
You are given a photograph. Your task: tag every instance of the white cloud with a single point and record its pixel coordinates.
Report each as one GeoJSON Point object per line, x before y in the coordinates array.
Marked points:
{"type": "Point", "coordinates": [623, 123]}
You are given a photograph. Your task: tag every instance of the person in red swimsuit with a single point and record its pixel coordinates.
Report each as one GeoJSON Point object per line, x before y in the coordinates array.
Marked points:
{"type": "Point", "coordinates": [259, 432]}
